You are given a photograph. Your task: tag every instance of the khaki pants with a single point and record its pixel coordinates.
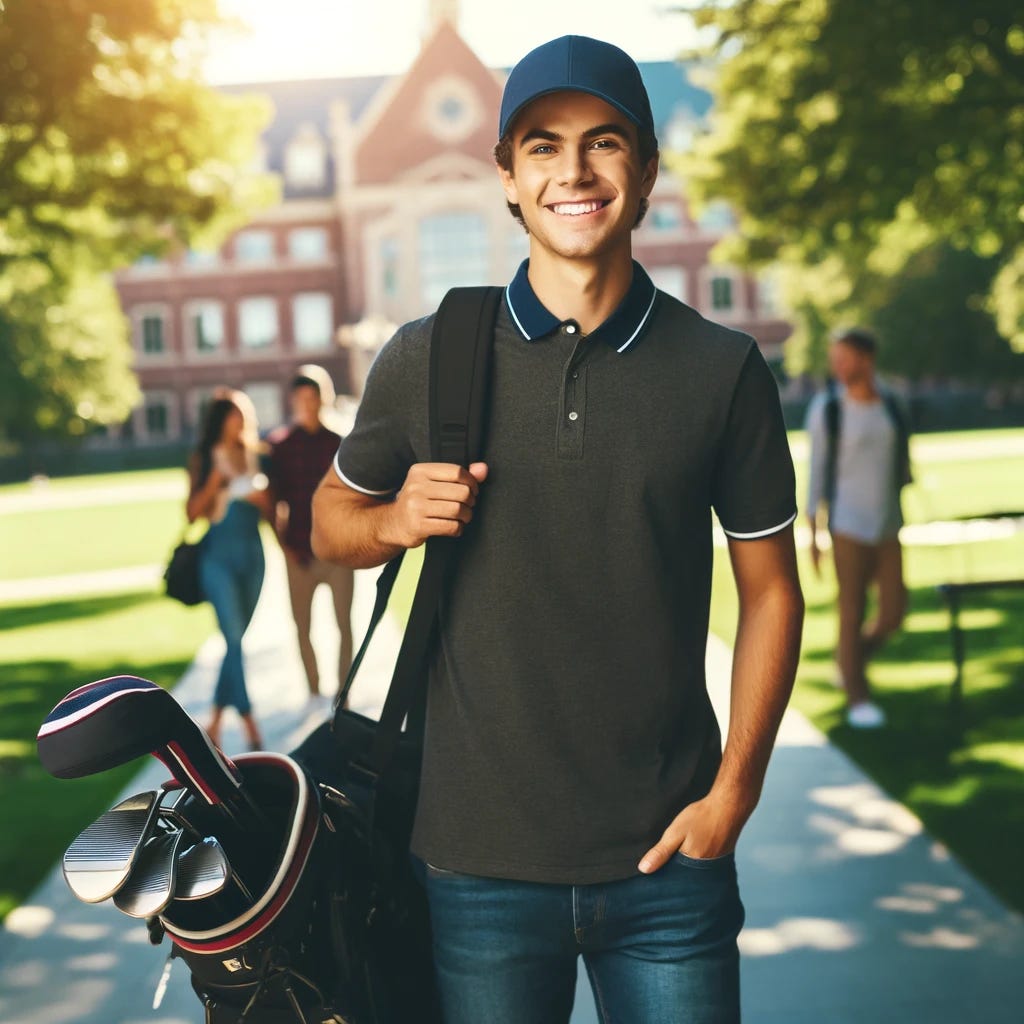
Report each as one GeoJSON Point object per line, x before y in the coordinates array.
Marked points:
{"type": "Point", "coordinates": [858, 567]}
{"type": "Point", "coordinates": [303, 579]}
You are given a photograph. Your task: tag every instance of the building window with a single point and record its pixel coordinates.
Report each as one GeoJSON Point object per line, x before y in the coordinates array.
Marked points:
{"type": "Point", "coordinates": [206, 323]}
{"type": "Point", "coordinates": [313, 318]}
{"type": "Point", "coordinates": [266, 399]}
{"type": "Point", "coordinates": [257, 322]}
{"type": "Point", "coordinates": [201, 259]}
{"type": "Point", "coordinates": [721, 293]}
{"type": "Point", "coordinates": [305, 159]}
{"type": "Point", "coordinates": [156, 416]}
{"type": "Point", "coordinates": [716, 216]}
{"type": "Point", "coordinates": [769, 294]}
{"type": "Point", "coordinates": [389, 266]}
{"type": "Point", "coordinates": [156, 420]}
{"type": "Point", "coordinates": [308, 245]}
{"type": "Point", "coordinates": [153, 342]}
{"type": "Point", "coordinates": [453, 251]}
{"type": "Point", "coordinates": [254, 247]}
{"type": "Point", "coordinates": [149, 264]}
{"type": "Point", "coordinates": [665, 217]}
{"type": "Point", "coordinates": [671, 280]}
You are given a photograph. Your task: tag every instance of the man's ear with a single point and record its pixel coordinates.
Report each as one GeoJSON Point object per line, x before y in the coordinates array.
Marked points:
{"type": "Point", "coordinates": [650, 175]}
{"type": "Point", "coordinates": [508, 183]}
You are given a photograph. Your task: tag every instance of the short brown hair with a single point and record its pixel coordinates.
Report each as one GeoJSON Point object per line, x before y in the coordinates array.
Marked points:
{"type": "Point", "coordinates": [647, 148]}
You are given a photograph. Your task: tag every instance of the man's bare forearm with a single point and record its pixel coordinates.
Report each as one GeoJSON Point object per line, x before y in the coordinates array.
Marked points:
{"type": "Point", "coordinates": [349, 528]}
{"type": "Point", "coordinates": [361, 531]}
{"type": "Point", "coordinates": [764, 666]}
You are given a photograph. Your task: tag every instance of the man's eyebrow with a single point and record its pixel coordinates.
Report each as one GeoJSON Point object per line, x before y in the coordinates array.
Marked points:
{"type": "Point", "coordinates": [543, 135]}
{"type": "Point", "coordinates": [607, 129]}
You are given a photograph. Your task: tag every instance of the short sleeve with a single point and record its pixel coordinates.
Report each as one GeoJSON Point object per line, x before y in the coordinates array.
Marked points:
{"type": "Point", "coordinates": [376, 454]}
{"type": "Point", "coordinates": [754, 488]}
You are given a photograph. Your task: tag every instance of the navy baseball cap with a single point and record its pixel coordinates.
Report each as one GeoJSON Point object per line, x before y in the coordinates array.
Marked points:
{"type": "Point", "coordinates": [580, 64]}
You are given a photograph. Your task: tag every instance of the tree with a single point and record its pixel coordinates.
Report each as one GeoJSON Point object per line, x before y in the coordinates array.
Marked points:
{"type": "Point", "coordinates": [836, 122]}
{"type": "Point", "coordinates": [110, 148]}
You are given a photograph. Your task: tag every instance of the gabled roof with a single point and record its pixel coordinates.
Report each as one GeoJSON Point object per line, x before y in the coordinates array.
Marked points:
{"type": "Point", "coordinates": [301, 102]}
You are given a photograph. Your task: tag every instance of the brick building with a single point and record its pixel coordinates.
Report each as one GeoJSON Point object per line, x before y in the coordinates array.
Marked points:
{"type": "Point", "coordinates": [389, 197]}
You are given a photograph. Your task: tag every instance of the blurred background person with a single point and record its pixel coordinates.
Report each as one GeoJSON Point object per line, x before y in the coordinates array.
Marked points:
{"type": "Point", "coordinates": [860, 462]}
{"type": "Point", "coordinates": [227, 488]}
{"type": "Point", "coordinates": [301, 452]}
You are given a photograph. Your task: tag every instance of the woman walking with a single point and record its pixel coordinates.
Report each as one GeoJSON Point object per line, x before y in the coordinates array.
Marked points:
{"type": "Point", "coordinates": [227, 489]}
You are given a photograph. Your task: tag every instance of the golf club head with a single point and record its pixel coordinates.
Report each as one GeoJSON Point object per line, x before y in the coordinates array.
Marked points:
{"type": "Point", "coordinates": [203, 871]}
{"type": "Point", "coordinates": [100, 860]}
{"type": "Point", "coordinates": [150, 886]}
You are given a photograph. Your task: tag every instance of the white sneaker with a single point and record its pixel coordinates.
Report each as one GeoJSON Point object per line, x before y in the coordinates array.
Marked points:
{"type": "Point", "coordinates": [865, 715]}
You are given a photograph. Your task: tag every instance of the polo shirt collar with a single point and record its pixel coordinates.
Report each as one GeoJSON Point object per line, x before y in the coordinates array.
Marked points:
{"type": "Point", "coordinates": [620, 330]}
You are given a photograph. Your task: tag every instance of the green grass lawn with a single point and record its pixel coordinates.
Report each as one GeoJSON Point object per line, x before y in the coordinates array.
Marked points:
{"type": "Point", "coordinates": [96, 480]}
{"type": "Point", "coordinates": [967, 786]}
{"type": "Point", "coordinates": [46, 650]}
{"type": "Point", "coordinates": [968, 790]}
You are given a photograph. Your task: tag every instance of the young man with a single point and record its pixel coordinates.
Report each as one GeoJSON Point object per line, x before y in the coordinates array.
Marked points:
{"type": "Point", "coordinates": [575, 798]}
{"type": "Point", "coordinates": [301, 453]}
{"type": "Point", "coordinates": [859, 464]}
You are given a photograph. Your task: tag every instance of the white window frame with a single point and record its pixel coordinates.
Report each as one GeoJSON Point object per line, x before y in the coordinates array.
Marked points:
{"type": "Point", "coordinates": [189, 312]}
{"type": "Point", "coordinates": [247, 350]}
{"type": "Point", "coordinates": [138, 317]}
{"type": "Point", "coordinates": [262, 261]}
{"type": "Point", "coordinates": [304, 297]}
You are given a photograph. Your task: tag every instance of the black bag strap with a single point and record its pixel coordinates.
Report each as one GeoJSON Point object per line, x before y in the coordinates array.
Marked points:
{"type": "Point", "coordinates": [833, 425]}
{"type": "Point", "coordinates": [460, 354]}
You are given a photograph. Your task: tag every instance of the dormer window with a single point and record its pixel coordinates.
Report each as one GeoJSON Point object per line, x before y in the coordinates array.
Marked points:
{"type": "Point", "coordinates": [305, 159]}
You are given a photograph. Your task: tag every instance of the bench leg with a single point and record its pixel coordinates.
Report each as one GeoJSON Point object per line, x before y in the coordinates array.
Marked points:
{"type": "Point", "coordinates": [956, 696]}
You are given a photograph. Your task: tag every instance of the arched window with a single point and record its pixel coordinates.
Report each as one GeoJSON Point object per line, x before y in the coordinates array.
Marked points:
{"type": "Point", "coordinates": [454, 251]}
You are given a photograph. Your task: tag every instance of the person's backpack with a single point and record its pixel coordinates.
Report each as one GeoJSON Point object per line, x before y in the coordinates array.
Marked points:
{"type": "Point", "coordinates": [833, 415]}
{"type": "Point", "coordinates": [332, 924]}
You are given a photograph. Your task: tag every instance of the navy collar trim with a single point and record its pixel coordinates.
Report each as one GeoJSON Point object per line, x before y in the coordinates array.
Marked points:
{"type": "Point", "coordinates": [620, 330]}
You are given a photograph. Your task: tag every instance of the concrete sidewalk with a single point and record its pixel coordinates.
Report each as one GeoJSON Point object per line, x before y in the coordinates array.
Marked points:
{"type": "Point", "coordinates": [854, 915]}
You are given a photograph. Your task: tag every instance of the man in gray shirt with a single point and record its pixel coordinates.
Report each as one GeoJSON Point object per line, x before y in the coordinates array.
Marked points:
{"type": "Point", "coordinates": [575, 799]}
{"type": "Point", "coordinates": [859, 463]}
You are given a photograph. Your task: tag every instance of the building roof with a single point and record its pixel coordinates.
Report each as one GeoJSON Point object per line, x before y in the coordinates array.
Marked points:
{"type": "Point", "coordinates": [297, 103]}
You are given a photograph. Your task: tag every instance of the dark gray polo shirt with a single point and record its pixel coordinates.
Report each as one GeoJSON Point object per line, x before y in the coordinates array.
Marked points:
{"type": "Point", "coordinates": [568, 720]}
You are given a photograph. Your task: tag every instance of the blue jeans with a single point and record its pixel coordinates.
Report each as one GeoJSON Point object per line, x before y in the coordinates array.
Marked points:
{"type": "Point", "coordinates": [658, 949]}
{"type": "Point", "coordinates": [231, 568]}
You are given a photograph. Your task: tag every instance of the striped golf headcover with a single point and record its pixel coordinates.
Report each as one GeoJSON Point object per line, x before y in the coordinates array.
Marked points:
{"type": "Point", "coordinates": [112, 721]}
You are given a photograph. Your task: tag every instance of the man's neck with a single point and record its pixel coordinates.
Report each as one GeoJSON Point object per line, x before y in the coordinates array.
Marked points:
{"type": "Point", "coordinates": [863, 390]}
{"type": "Point", "coordinates": [587, 291]}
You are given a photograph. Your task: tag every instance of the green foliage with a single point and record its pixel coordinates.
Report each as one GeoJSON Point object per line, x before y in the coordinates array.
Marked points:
{"type": "Point", "coordinates": [842, 129]}
{"type": "Point", "coordinates": [110, 147]}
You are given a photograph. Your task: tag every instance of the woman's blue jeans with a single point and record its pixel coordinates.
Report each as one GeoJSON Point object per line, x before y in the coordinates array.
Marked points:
{"type": "Point", "coordinates": [658, 949]}
{"type": "Point", "coordinates": [231, 567]}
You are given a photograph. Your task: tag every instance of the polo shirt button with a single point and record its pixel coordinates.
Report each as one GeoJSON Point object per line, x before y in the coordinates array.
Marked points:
{"type": "Point", "coordinates": [570, 328]}
{"type": "Point", "coordinates": [574, 416]}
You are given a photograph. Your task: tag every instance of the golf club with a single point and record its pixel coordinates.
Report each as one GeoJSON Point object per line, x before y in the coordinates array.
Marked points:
{"type": "Point", "coordinates": [100, 860]}
{"type": "Point", "coordinates": [203, 871]}
{"type": "Point", "coordinates": [150, 886]}
{"type": "Point", "coordinates": [112, 721]}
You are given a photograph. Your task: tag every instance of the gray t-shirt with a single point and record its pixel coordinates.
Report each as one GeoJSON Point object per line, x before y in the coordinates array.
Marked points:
{"type": "Point", "coordinates": [866, 504]}
{"type": "Point", "coordinates": [568, 720]}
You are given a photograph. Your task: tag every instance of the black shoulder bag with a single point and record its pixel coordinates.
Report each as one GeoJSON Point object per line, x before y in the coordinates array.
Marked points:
{"type": "Point", "coordinates": [369, 771]}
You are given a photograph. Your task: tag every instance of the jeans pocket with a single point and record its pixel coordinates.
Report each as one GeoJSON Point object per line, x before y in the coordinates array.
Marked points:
{"type": "Point", "coordinates": [703, 862]}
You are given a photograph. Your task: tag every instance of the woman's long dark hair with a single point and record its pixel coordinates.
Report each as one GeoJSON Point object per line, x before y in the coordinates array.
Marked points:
{"type": "Point", "coordinates": [213, 424]}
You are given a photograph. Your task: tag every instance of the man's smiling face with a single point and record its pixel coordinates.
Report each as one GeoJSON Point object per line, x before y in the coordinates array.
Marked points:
{"type": "Point", "coordinates": [576, 176]}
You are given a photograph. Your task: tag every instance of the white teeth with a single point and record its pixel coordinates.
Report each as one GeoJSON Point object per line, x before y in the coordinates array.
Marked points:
{"type": "Point", "coordinates": [575, 209]}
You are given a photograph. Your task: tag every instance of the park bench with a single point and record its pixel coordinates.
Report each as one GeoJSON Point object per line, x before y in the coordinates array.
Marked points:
{"type": "Point", "coordinates": [953, 595]}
